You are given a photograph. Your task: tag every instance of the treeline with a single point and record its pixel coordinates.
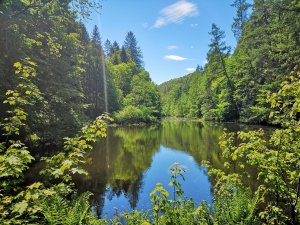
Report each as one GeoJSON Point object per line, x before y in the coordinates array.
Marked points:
{"type": "Point", "coordinates": [235, 87]}
{"type": "Point", "coordinates": [78, 76]}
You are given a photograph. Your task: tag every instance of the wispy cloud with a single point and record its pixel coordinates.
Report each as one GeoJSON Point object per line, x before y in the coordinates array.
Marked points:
{"type": "Point", "coordinates": [172, 47]}
{"type": "Point", "coordinates": [176, 13]}
{"type": "Point", "coordinates": [145, 25]}
{"type": "Point", "coordinates": [190, 70]}
{"type": "Point", "coordinates": [175, 57]}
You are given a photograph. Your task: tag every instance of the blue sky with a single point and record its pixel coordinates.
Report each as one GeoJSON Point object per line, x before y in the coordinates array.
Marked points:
{"type": "Point", "coordinates": [173, 34]}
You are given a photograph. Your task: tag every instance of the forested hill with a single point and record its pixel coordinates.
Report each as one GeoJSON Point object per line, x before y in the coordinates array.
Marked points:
{"type": "Point", "coordinates": [76, 76]}
{"type": "Point", "coordinates": [236, 85]}
{"type": "Point", "coordinates": [179, 96]}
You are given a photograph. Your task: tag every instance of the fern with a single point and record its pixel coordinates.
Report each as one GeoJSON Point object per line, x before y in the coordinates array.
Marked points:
{"type": "Point", "coordinates": [235, 206]}
{"type": "Point", "coordinates": [59, 211]}
{"type": "Point", "coordinates": [78, 210]}
{"type": "Point", "coordinates": [54, 209]}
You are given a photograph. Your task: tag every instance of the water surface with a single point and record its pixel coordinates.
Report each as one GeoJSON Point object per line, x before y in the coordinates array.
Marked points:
{"type": "Point", "coordinates": [125, 167]}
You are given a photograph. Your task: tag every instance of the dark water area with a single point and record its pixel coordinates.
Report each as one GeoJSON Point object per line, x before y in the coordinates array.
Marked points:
{"type": "Point", "coordinates": [125, 167]}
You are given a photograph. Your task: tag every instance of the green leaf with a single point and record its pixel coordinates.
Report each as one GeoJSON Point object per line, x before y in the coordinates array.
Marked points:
{"type": "Point", "coordinates": [20, 207]}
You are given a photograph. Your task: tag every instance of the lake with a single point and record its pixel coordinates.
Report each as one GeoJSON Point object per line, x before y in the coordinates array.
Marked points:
{"type": "Point", "coordinates": [125, 167]}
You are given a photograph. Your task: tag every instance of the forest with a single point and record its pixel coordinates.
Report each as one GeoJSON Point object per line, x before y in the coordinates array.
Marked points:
{"type": "Point", "coordinates": [235, 85]}
{"type": "Point", "coordinates": [77, 73]}
{"type": "Point", "coordinates": [61, 87]}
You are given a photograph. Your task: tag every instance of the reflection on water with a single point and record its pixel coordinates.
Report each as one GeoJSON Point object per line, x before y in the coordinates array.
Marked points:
{"type": "Point", "coordinates": [125, 167]}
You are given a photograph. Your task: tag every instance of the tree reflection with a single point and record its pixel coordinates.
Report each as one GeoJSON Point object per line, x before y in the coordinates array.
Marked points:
{"type": "Point", "coordinates": [118, 163]}
{"type": "Point", "coordinates": [200, 141]}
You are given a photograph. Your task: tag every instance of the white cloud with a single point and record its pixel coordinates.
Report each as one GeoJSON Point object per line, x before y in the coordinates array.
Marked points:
{"type": "Point", "coordinates": [176, 13]}
{"type": "Point", "coordinates": [175, 57]}
{"type": "Point", "coordinates": [191, 158]}
{"type": "Point", "coordinates": [160, 22]}
{"type": "Point", "coordinates": [190, 70]}
{"type": "Point", "coordinates": [145, 25]}
{"type": "Point", "coordinates": [204, 61]}
{"type": "Point", "coordinates": [194, 25]}
{"type": "Point", "coordinates": [172, 47]}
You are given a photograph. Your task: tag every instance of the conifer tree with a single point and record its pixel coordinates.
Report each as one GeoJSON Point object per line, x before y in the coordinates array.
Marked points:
{"type": "Point", "coordinates": [241, 18]}
{"type": "Point", "coordinates": [115, 53]}
{"type": "Point", "coordinates": [107, 48]}
{"type": "Point", "coordinates": [216, 56]}
{"type": "Point", "coordinates": [131, 45]}
{"type": "Point", "coordinates": [84, 35]}
{"type": "Point", "coordinates": [94, 84]}
{"type": "Point", "coordinates": [115, 47]}
{"type": "Point", "coordinates": [199, 69]}
{"type": "Point", "coordinates": [96, 39]}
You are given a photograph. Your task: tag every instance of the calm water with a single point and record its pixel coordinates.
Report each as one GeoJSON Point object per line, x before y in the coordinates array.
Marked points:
{"type": "Point", "coordinates": [125, 168]}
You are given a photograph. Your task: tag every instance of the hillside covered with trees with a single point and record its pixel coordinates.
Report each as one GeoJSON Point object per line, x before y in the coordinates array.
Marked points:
{"type": "Point", "coordinates": [76, 71]}
{"type": "Point", "coordinates": [234, 85]}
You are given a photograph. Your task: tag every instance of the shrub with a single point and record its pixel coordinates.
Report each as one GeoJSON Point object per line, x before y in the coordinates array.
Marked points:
{"type": "Point", "coordinates": [132, 114]}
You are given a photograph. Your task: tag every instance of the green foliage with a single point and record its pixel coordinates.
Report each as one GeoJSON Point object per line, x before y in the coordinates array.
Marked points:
{"type": "Point", "coordinates": [24, 94]}
{"type": "Point", "coordinates": [65, 164]}
{"type": "Point", "coordinates": [180, 97]}
{"type": "Point", "coordinates": [44, 37]}
{"type": "Point", "coordinates": [57, 210]}
{"type": "Point", "coordinates": [14, 155]}
{"type": "Point", "coordinates": [26, 206]}
{"type": "Point", "coordinates": [233, 203]}
{"type": "Point", "coordinates": [235, 87]}
{"type": "Point", "coordinates": [54, 51]}
{"type": "Point", "coordinates": [286, 103]}
{"type": "Point", "coordinates": [71, 66]}
{"type": "Point", "coordinates": [122, 75]}
{"type": "Point", "coordinates": [19, 204]}
{"type": "Point", "coordinates": [242, 7]}
{"type": "Point", "coordinates": [140, 96]}
{"type": "Point", "coordinates": [134, 89]}
{"type": "Point", "coordinates": [176, 171]}
{"type": "Point", "coordinates": [276, 159]}
{"type": "Point", "coordinates": [13, 162]}
{"type": "Point", "coordinates": [130, 44]}
{"type": "Point", "coordinates": [136, 218]}
{"type": "Point", "coordinates": [68, 91]}
{"type": "Point", "coordinates": [131, 114]}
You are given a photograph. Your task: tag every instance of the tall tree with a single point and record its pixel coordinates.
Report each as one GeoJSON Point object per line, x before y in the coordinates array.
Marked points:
{"type": "Point", "coordinates": [135, 52]}
{"type": "Point", "coordinates": [84, 36]}
{"type": "Point", "coordinates": [216, 56]}
{"type": "Point", "coordinates": [94, 76]}
{"type": "Point", "coordinates": [96, 38]}
{"type": "Point", "coordinates": [107, 48]}
{"type": "Point", "coordinates": [199, 68]}
{"type": "Point", "coordinates": [217, 46]}
{"type": "Point", "coordinates": [115, 53]}
{"type": "Point", "coordinates": [241, 17]}
{"type": "Point", "coordinates": [115, 47]}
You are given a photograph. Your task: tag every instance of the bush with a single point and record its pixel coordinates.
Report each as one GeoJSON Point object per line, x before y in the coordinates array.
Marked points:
{"type": "Point", "coordinates": [132, 114]}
